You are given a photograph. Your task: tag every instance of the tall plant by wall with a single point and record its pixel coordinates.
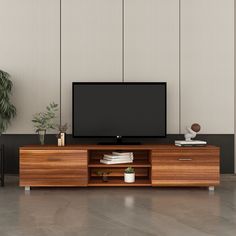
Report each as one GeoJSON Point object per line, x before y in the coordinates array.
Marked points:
{"type": "Point", "coordinates": [7, 109]}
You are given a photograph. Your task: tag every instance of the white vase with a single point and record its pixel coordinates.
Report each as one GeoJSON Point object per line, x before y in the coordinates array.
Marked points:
{"type": "Point", "coordinates": [59, 142]}
{"type": "Point", "coordinates": [63, 137]}
{"type": "Point", "coordinates": [129, 177]}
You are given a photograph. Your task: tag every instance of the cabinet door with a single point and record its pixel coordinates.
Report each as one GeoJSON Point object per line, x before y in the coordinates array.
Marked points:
{"type": "Point", "coordinates": [185, 167]}
{"type": "Point", "coordinates": [53, 168]}
{"type": "Point", "coordinates": [152, 49]}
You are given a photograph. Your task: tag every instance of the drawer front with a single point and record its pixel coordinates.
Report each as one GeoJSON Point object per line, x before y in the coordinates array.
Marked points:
{"type": "Point", "coordinates": [187, 168]}
{"type": "Point", "coordinates": [53, 168]}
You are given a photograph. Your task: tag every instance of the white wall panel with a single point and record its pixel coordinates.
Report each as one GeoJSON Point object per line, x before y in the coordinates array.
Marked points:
{"type": "Point", "coordinates": [152, 49]}
{"type": "Point", "coordinates": [29, 51]}
{"type": "Point", "coordinates": [91, 45]}
{"type": "Point", "coordinates": [207, 65]}
{"type": "Point", "coordinates": [92, 51]}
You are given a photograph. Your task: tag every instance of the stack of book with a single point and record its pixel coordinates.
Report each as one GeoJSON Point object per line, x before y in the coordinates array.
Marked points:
{"type": "Point", "coordinates": [117, 158]}
{"type": "Point", "coordinates": [192, 143]}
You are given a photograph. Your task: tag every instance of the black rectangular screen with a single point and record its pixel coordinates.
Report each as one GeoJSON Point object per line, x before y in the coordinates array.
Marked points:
{"type": "Point", "coordinates": [119, 109]}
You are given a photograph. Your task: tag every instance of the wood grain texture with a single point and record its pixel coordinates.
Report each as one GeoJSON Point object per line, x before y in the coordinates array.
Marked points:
{"type": "Point", "coordinates": [156, 165]}
{"type": "Point", "coordinates": [115, 147]}
{"type": "Point", "coordinates": [57, 167]}
{"type": "Point", "coordinates": [185, 167]}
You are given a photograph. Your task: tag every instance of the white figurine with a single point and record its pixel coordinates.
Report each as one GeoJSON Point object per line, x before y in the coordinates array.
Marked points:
{"type": "Point", "coordinates": [192, 132]}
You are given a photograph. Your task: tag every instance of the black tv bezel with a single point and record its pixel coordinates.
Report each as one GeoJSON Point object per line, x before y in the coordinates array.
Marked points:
{"type": "Point", "coordinates": [118, 83]}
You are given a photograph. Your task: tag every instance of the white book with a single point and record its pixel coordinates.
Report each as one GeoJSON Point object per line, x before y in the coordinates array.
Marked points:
{"type": "Point", "coordinates": [123, 154]}
{"type": "Point", "coordinates": [114, 162]}
{"type": "Point", "coordinates": [118, 159]}
{"type": "Point", "coordinates": [115, 157]}
{"type": "Point", "coordinates": [190, 143]}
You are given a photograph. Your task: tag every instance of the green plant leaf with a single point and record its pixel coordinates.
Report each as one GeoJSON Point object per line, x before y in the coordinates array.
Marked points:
{"type": "Point", "coordinates": [46, 120]}
{"type": "Point", "coordinates": [7, 110]}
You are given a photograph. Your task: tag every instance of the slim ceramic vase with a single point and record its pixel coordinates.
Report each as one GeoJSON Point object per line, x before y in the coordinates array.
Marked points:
{"type": "Point", "coordinates": [41, 134]}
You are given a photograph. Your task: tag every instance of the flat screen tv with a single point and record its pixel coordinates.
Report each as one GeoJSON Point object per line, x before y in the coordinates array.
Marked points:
{"type": "Point", "coordinates": [119, 109]}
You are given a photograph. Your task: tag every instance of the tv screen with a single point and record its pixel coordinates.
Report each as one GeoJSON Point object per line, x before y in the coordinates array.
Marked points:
{"type": "Point", "coordinates": [119, 109]}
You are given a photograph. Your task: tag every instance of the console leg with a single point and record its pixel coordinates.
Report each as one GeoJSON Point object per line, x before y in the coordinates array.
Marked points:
{"type": "Point", "coordinates": [27, 188]}
{"type": "Point", "coordinates": [211, 188]}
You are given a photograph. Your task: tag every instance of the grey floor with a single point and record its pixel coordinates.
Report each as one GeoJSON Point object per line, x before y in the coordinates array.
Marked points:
{"type": "Point", "coordinates": [117, 211]}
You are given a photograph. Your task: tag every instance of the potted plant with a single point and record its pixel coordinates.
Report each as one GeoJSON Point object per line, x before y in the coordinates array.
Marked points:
{"type": "Point", "coordinates": [104, 174]}
{"type": "Point", "coordinates": [62, 134]}
{"type": "Point", "coordinates": [129, 175]}
{"type": "Point", "coordinates": [44, 121]}
{"type": "Point", "coordinates": [7, 109]}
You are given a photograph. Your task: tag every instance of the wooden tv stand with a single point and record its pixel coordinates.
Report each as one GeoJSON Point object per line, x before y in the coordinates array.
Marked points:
{"type": "Point", "coordinates": [155, 165]}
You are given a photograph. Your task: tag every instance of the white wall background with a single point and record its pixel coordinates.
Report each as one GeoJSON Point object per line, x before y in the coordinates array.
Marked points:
{"type": "Point", "coordinates": [152, 49]}
{"type": "Point", "coordinates": [199, 68]}
{"type": "Point", "coordinates": [91, 45]}
{"type": "Point", "coordinates": [29, 52]}
{"type": "Point", "coordinates": [207, 65]}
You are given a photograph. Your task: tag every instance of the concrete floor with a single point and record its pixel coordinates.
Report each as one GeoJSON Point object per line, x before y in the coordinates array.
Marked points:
{"type": "Point", "coordinates": [118, 211]}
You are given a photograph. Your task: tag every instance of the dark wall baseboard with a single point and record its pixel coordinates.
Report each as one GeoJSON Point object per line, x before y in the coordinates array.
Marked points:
{"type": "Point", "coordinates": [12, 143]}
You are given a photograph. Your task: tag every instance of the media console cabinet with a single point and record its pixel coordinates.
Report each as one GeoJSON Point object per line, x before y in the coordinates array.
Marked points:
{"type": "Point", "coordinates": [155, 165]}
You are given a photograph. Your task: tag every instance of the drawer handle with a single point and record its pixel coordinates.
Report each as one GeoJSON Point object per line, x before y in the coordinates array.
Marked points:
{"type": "Point", "coordinates": [54, 159]}
{"type": "Point", "coordinates": [185, 159]}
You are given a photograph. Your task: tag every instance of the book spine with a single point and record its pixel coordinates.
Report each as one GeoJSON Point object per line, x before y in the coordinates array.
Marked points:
{"type": "Point", "coordinates": [119, 159]}
{"type": "Point", "coordinates": [123, 154]}
{"type": "Point", "coordinates": [112, 162]}
{"type": "Point", "coordinates": [116, 157]}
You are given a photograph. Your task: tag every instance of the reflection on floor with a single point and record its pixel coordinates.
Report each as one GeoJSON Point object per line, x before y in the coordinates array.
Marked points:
{"type": "Point", "coordinates": [117, 211]}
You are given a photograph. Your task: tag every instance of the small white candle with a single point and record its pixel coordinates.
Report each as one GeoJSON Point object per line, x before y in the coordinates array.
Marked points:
{"type": "Point", "coordinates": [59, 142]}
{"type": "Point", "coordinates": [62, 139]}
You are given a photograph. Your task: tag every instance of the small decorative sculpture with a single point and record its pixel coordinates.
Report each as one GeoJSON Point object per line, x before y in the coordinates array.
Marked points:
{"type": "Point", "coordinates": [192, 132]}
{"type": "Point", "coordinates": [62, 134]}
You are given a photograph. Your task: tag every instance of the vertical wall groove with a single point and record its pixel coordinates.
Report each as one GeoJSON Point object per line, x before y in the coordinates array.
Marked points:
{"type": "Point", "coordinates": [180, 67]}
{"type": "Point", "coordinates": [123, 41]}
{"type": "Point", "coordinates": [234, 86]}
{"type": "Point", "coordinates": [60, 65]}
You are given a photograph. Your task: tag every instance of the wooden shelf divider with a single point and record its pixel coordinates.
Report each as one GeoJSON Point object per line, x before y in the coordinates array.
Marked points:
{"type": "Point", "coordinates": [136, 164]}
{"type": "Point", "coordinates": [119, 182]}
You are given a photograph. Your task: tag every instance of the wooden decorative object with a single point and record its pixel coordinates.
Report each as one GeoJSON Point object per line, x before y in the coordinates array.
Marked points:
{"type": "Point", "coordinates": [155, 165]}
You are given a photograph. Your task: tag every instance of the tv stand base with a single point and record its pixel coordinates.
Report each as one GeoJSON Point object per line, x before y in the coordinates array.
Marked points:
{"type": "Point", "coordinates": [27, 188]}
{"type": "Point", "coordinates": [211, 188]}
{"type": "Point", "coordinates": [155, 165]}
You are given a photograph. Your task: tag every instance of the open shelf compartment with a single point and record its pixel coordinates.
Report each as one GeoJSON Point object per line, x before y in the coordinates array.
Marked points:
{"type": "Point", "coordinates": [141, 164]}
{"type": "Point", "coordinates": [142, 158]}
